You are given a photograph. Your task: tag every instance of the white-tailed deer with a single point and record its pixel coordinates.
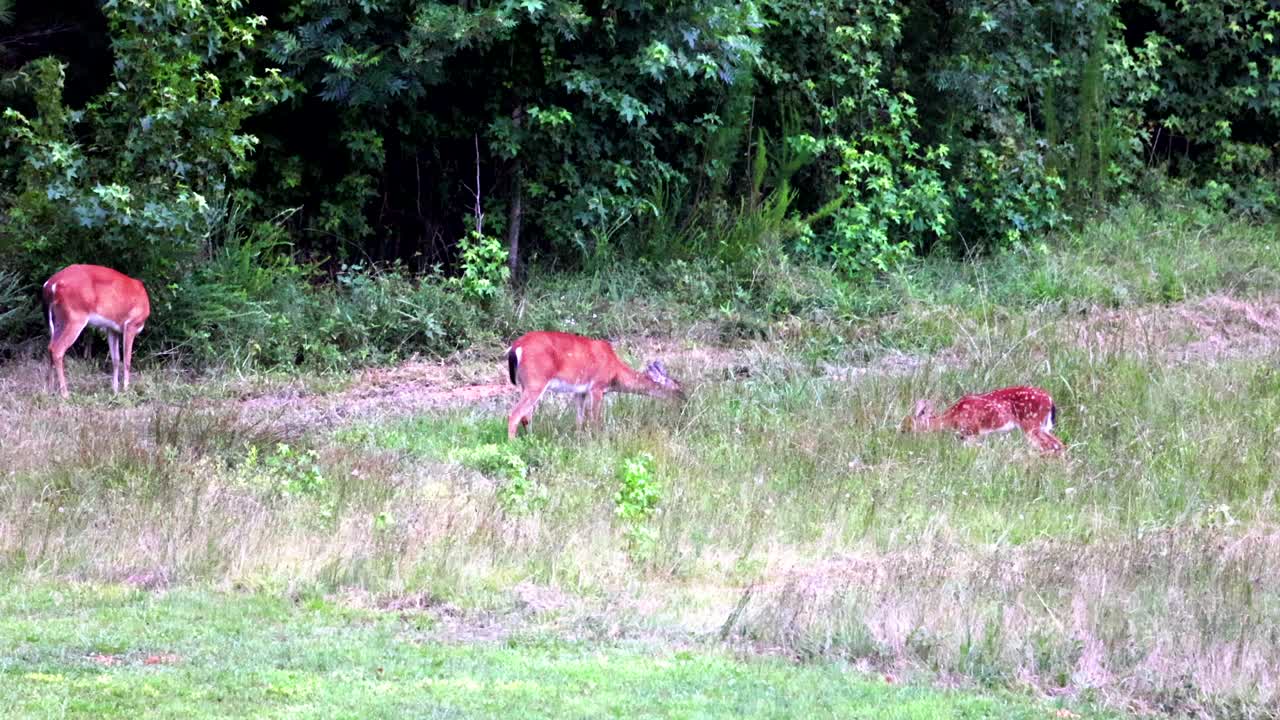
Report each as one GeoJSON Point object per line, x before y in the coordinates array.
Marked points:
{"type": "Point", "coordinates": [1028, 408]}
{"type": "Point", "coordinates": [587, 368]}
{"type": "Point", "coordinates": [80, 295]}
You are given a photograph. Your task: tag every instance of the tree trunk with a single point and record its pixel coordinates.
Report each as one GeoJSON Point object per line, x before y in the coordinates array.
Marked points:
{"type": "Point", "coordinates": [515, 210]}
{"type": "Point", "coordinates": [514, 214]}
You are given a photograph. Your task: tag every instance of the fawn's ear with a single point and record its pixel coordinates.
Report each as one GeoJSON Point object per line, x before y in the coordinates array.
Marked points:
{"type": "Point", "coordinates": [922, 409]}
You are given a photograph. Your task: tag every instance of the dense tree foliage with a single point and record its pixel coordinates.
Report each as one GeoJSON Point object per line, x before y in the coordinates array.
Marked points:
{"type": "Point", "coordinates": [219, 148]}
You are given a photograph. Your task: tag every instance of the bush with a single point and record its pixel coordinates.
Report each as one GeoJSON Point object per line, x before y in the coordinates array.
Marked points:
{"type": "Point", "coordinates": [635, 502]}
{"type": "Point", "coordinates": [134, 178]}
{"type": "Point", "coordinates": [716, 138]}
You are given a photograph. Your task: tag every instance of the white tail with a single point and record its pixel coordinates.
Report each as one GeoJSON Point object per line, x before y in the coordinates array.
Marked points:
{"type": "Point", "coordinates": [81, 295]}
{"type": "Point", "coordinates": [561, 362]}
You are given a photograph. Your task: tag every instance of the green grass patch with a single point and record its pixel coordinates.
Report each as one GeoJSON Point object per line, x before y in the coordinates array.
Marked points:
{"type": "Point", "coordinates": [90, 651]}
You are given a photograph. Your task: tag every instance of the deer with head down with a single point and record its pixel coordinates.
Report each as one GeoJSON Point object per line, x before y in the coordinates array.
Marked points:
{"type": "Point", "coordinates": [1027, 408]}
{"type": "Point", "coordinates": [586, 368]}
{"type": "Point", "coordinates": [80, 296]}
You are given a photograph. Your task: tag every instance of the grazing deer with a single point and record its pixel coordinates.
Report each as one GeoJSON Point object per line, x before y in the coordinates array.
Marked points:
{"type": "Point", "coordinates": [1001, 410]}
{"type": "Point", "coordinates": [80, 295]}
{"type": "Point", "coordinates": [587, 368]}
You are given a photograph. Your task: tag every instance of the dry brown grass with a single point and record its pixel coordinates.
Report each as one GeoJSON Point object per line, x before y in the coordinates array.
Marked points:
{"type": "Point", "coordinates": [1215, 328]}
{"type": "Point", "coordinates": [1173, 620]}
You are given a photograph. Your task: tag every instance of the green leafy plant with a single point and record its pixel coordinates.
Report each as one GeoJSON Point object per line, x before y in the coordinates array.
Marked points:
{"type": "Point", "coordinates": [518, 493]}
{"type": "Point", "coordinates": [285, 471]}
{"type": "Point", "coordinates": [484, 266]}
{"type": "Point", "coordinates": [383, 523]}
{"type": "Point", "coordinates": [635, 502]}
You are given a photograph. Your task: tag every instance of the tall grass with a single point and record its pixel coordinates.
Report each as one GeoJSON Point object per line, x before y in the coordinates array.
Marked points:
{"type": "Point", "coordinates": [1130, 255]}
{"type": "Point", "coordinates": [250, 309]}
{"type": "Point", "coordinates": [16, 308]}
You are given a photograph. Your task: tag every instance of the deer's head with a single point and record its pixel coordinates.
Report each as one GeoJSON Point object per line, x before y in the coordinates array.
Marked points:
{"type": "Point", "coordinates": [664, 385]}
{"type": "Point", "coordinates": [919, 417]}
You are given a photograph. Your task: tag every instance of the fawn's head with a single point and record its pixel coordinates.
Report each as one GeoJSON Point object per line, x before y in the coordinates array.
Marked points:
{"type": "Point", "coordinates": [919, 417]}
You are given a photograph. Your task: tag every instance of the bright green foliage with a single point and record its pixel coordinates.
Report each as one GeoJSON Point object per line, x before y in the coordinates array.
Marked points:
{"type": "Point", "coordinates": [302, 186]}
{"type": "Point", "coordinates": [250, 304]}
{"type": "Point", "coordinates": [484, 266]}
{"type": "Point", "coordinates": [834, 66]}
{"type": "Point", "coordinates": [131, 179]}
{"type": "Point", "coordinates": [638, 492]}
{"type": "Point", "coordinates": [896, 197]}
{"type": "Point", "coordinates": [636, 502]}
{"type": "Point", "coordinates": [286, 471]}
{"type": "Point", "coordinates": [518, 493]}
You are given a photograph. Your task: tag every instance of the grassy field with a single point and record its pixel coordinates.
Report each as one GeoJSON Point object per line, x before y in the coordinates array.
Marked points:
{"type": "Point", "coordinates": [778, 512]}
{"type": "Point", "coordinates": [92, 651]}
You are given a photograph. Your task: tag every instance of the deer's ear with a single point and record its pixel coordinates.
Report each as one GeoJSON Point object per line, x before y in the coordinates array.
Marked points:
{"type": "Point", "coordinates": [923, 407]}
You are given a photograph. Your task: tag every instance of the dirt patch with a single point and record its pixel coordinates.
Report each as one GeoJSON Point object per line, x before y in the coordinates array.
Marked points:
{"type": "Point", "coordinates": [105, 660]}
{"type": "Point", "coordinates": [1231, 328]}
{"type": "Point", "coordinates": [162, 659]}
{"type": "Point", "coordinates": [413, 602]}
{"type": "Point", "coordinates": [538, 599]}
{"type": "Point", "coordinates": [892, 364]}
{"type": "Point", "coordinates": [421, 386]}
{"type": "Point", "coordinates": [406, 389]}
{"type": "Point", "coordinates": [437, 620]}
{"type": "Point", "coordinates": [148, 579]}
{"type": "Point", "coordinates": [1214, 328]}
{"type": "Point", "coordinates": [527, 610]}
{"type": "Point", "coordinates": [108, 660]}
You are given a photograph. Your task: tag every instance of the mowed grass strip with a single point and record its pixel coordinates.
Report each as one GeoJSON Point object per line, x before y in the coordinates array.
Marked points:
{"type": "Point", "coordinates": [93, 651]}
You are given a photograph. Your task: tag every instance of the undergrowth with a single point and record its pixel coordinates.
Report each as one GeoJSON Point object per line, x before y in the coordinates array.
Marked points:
{"type": "Point", "coordinates": [249, 313]}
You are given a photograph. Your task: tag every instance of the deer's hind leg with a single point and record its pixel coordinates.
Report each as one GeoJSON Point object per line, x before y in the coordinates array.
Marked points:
{"type": "Point", "coordinates": [596, 407]}
{"type": "Point", "coordinates": [522, 412]}
{"type": "Point", "coordinates": [127, 335]}
{"type": "Point", "coordinates": [1042, 439]}
{"type": "Point", "coordinates": [1046, 441]}
{"type": "Point", "coordinates": [66, 330]}
{"type": "Point", "coordinates": [113, 349]}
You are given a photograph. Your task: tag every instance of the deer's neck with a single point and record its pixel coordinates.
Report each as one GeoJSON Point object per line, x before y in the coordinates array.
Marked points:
{"type": "Point", "coordinates": [629, 381]}
{"type": "Point", "coordinates": [934, 422]}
